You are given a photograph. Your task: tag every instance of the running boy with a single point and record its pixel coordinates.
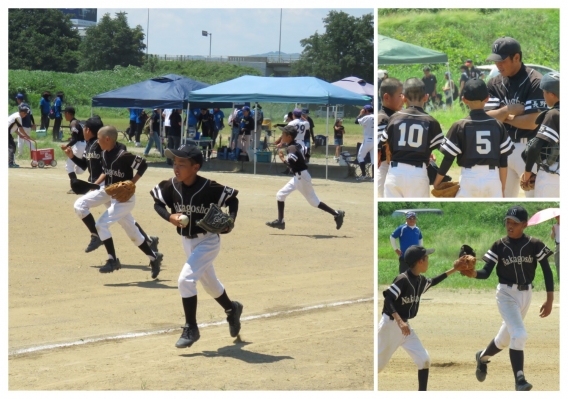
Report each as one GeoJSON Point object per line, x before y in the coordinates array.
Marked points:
{"type": "Point", "coordinates": [302, 181]}
{"type": "Point", "coordinates": [191, 195]}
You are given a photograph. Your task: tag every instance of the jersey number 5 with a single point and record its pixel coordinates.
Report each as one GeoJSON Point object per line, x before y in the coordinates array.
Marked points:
{"type": "Point", "coordinates": [414, 135]}
{"type": "Point", "coordinates": [483, 145]}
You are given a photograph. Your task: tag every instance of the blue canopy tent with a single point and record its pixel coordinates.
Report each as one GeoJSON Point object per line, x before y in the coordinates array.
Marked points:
{"type": "Point", "coordinates": [308, 90]}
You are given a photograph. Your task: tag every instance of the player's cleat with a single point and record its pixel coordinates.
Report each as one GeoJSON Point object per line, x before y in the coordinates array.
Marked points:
{"type": "Point", "coordinates": [188, 337]}
{"type": "Point", "coordinates": [362, 178]}
{"type": "Point", "coordinates": [339, 219]}
{"type": "Point", "coordinates": [94, 244]}
{"type": "Point", "coordinates": [277, 224]}
{"type": "Point", "coordinates": [154, 243]}
{"type": "Point", "coordinates": [522, 385]}
{"type": "Point", "coordinates": [155, 264]}
{"type": "Point", "coordinates": [234, 318]}
{"type": "Point", "coordinates": [110, 266]}
{"type": "Point", "coordinates": [481, 369]}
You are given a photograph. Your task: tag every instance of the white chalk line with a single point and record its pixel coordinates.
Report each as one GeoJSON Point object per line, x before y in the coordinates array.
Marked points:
{"type": "Point", "coordinates": [202, 325]}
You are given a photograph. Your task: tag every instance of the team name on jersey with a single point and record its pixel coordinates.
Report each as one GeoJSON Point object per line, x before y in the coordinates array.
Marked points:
{"type": "Point", "coordinates": [93, 155]}
{"type": "Point", "coordinates": [189, 209]}
{"type": "Point", "coordinates": [410, 299]}
{"type": "Point", "coordinates": [517, 259]}
{"type": "Point", "coordinates": [111, 172]}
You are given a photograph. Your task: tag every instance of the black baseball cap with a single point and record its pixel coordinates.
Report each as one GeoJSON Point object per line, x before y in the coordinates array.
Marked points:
{"type": "Point", "coordinates": [502, 48]}
{"type": "Point", "coordinates": [292, 130]}
{"type": "Point", "coordinates": [517, 213]}
{"type": "Point", "coordinates": [415, 252]}
{"type": "Point", "coordinates": [426, 68]}
{"type": "Point", "coordinates": [410, 214]}
{"type": "Point", "coordinates": [305, 111]}
{"type": "Point", "coordinates": [475, 90]}
{"type": "Point", "coordinates": [551, 82]}
{"type": "Point", "coordinates": [71, 110]}
{"type": "Point", "coordinates": [187, 152]}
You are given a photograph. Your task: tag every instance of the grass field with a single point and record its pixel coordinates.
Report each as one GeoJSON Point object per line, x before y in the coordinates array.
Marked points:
{"type": "Point", "coordinates": [477, 224]}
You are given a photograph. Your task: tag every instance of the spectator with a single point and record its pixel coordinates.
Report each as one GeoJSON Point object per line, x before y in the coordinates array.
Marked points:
{"type": "Point", "coordinates": [154, 134]}
{"type": "Point", "coordinates": [464, 77]}
{"type": "Point", "coordinates": [134, 118]}
{"type": "Point", "coordinates": [174, 137]}
{"type": "Point", "coordinates": [218, 116]}
{"type": "Point", "coordinates": [430, 83]}
{"type": "Point", "coordinates": [258, 116]}
{"type": "Point", "coordinates": [57, 104]}
{"type": "Point", "coordinates": [339, 131]}
{"type": "Point", "coordinates": [408, 234]}
{"type": "Point", "coordinates": [473, 72]}
{"type": "Point", "coordinates": [27, 123]}
{"type": "Point", "coordinates": [206, 121]}
{"type": "Point", "coordinates": [140, 122]}
{"type": "Point", "coordinates": [192, 119]}
{"type": "Point", "coordinates": [450, 91]}
{"type": "Point", "coordinates": [246, 127]}
{"type": "Point", "coordinates": [45, 107]}
{"type": "Point", "coordinates": [309, 133]}
{"type": "Point", "coordinates": [166, 118]}
{"type": "Point", "coordinates": [235, 124]}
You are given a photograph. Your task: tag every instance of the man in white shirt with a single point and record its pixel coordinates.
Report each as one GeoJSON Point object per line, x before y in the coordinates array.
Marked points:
{"type": "Point", "coordinates": [366, 119]}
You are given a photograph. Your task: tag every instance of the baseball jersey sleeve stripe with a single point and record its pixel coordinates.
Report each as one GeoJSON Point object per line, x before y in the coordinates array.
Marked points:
{"type": "Point", "coordinates": [542, 254]}
{"type": "Point", "coordinates": [451, 148]}
{"type": "Point", "coordinates": [548, 132]}
{"type": "Point", "coordinates": [493, 103]}
{"type": "Point", "coordinates": [437, 142]}
{"type": "Point", "coordinates": [384, 136]}
{"type": "Point", "coordinates": [382, 127]}
{"type": "Point", "coordinates": [533, 104]}
{"type": "Point", "coordinates": [157, 193]}
{"type": "Point", "coordinates": [395, 289]}
{"type": "Point", "coordinates": [508, 148]}
{"type": "Point", "coordinates": [491, 257]}
{"type": "Point", "coordinates": [393, 292]}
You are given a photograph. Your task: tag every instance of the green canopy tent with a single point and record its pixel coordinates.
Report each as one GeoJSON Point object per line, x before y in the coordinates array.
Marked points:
{"type": "Point", "coordinates": [395, 52]}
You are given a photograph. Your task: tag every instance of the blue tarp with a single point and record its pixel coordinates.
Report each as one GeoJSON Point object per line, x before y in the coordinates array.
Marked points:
{"type": "Point", "coordinates": [169, 91]}
{"type": "Point", "coordinates": [307, 90]}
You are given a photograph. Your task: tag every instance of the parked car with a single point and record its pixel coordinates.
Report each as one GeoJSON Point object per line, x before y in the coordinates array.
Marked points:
{"type": "Point", "coordinates": [490, 71]}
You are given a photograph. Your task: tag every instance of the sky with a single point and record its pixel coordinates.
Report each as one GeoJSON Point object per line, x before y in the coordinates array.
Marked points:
{"type": "Point", "coordinates": [237, 32]}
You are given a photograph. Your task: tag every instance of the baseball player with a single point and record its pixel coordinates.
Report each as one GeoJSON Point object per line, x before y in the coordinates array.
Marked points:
{"type": "Point", "coordinates": [15, 125]}
{"type": "Point", "coordinates": [402, 299]}
{"type": "Point", "coordinates": [515, 257]}
{"type": "Point", "coordinates": [302, 127]}
{"type": "Point", "coordinates": [302, 181]}
{"type": "Point", "coordinates": [190, 194]}
{"type": "Point", "coordinates": [93, 193]}
{"type": "Point", "coordinates": [411, 135]}
{"type": "Point", "coordinates": [77, 144]}
{"type": "Point", "coordinates": [28, 123]}
{"type": "Point", "coordinates": [480, 144]}
{"type": "Point", "coordinates": [366, 119]}
{"type": "Point", "coordinates": [515, 98]}
{"type": "Point", "coordinates": [544, 149]}
{"type": "Point", "coordinates": [120, 165]}
{"type": "Point", "coordinates": [408, 234]}
{"type": "Point", "coordinates": [391, 94]}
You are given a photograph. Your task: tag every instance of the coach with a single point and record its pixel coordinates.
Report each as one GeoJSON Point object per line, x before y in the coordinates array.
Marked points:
{"type": "Point", "coordinates": [408, 234]}
{"type": "Point", "coordinates": [516, 99]}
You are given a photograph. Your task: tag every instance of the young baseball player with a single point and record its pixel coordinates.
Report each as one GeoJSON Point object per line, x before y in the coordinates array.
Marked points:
{"type": "Point", "coordinates": [402, 299]}
{"type": "Point", "coordinates": [15, 125]}
{"type": "Point", "coordinates": [544, 149]}
{"type": "Point", "coordinates": [515, 257]}
{"type": "Point", "coordinates": [191, 195]}
{"type": "Point", "coordinates": [392, 101]}
{"type": "Point", "coordinates": [92, 191]}
{"type": "Point", "coordinates": [366, 119]}
{"type": "Point", "coordinates": [120, 165]}
{"type": "Point", "coordinates": [302, 181]}
{"type": "Point", "coordinates": [408, 234]}
{"type": "Point", "coordinates": [77, 143]}
{"type": "Point", "coordinates": [481, 145]}
{"type": "Point", "coordinates": [412, 135]}
{"type": "Point", "coordinates": [28, 123]}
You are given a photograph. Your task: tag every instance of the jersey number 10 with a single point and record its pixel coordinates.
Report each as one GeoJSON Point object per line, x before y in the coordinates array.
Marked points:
{"type": "Point", "coordinates": [414, 135]}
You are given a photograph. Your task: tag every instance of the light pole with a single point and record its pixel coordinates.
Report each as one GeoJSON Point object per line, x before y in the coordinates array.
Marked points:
{"type": "Point", "coordinates": [204, 33]}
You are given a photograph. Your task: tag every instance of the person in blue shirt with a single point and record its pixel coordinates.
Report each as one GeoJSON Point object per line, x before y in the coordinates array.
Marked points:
{"type": "Point", "coordinates": [134, 118]}
{"type": "Point", "coordinates": [192, 119]}
{"type": "Point", "coordinates": [58, 116]}
{"type": "Point", "coordinates": [408, 234]}
{"type": "Point", "coordinates": [218, 117]}
{"type": "Point", "coordinates": [45, 107]}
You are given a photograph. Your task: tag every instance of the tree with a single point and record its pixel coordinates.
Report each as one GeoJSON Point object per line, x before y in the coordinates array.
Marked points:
{"type": "Point", "coordinates": [110, 43]}
{"type": "Point", "coordinates": [42, 39]}
{"type": "Point", "coordinates": [345, 49]}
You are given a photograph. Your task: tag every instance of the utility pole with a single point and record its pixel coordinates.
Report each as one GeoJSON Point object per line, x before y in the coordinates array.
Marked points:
{"type": "Point", "coordinates": [204, 33]}
{"type": "Point", "coordinates": [280, 39]}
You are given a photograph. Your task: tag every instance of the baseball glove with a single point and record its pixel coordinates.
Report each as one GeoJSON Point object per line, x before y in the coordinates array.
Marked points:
{"type": "Point", "coordinates": [528, 185]}
{"type": "Point", "coordinates": [216, 221]}
{"type": "Point", "coordinates": [446, 190]}
{"type": "Point", "coordinates": [121, 191]}
{"type": "Point", "coordinates": [466, 262]}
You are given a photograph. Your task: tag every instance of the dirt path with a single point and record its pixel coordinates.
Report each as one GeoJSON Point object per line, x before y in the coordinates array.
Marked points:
{"type": "Point", "coordinates": [454, 325]}
{"type": "Point", "coordinates": [57, 295]}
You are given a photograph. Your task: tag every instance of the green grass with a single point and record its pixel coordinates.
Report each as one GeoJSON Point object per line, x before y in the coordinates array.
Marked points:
{"type": "Point", "coordinates": [477, 224]}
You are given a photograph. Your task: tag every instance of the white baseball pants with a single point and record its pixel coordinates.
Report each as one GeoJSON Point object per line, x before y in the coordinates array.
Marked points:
{"type": "Point", "coordinates": [381, 177]}
{"type": "Point", "coordinates": [200, 252]}
{"type": "Point", "coordinates": [515, 169]}
{"type": "Point", "coordinates": [119, 212]}
{"type": "Point", "coordinates": [390, 338]}
{"type": "Point", "coordinates": [78, 150]}
{"type": "Point", "coordinates": [407, 181]}
{"type": "Point", "coordinates": [23, 142]}
{"type": "Point", "coordinates": [92, 199]}
{"type": "Point", "coordinates": [513, 306]}
{"type": "Point", "coordinates": [480, 182]}
{"type": "Point", "coordinates": [367, 146]}
{"type": "Point", "coordinates": [547, 185]}
{"type": "Point", "coordinates": [302, 183]}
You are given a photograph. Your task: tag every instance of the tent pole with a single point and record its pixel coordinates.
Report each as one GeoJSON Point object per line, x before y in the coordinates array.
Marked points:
{"type": "Point", "coordinates": [184, 129]}
{"type": "Point", "coordinates": [254, 144]}
{"type": "Point", "coordinates": [326, 139]}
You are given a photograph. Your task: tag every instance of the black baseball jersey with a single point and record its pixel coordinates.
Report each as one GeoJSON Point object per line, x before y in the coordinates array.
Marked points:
{"type": "Point", "coordinates": [91, 159]}
{"type": "Point", "coordinates": [207, 123]}
{"type": "Point", "coordinates": [412, 134]}
{"type": "Point", "coordinates": [477, 139]}
{"type": "Point", "coordinates": [193, 201]}
{"type": "Point", "coordinates": [523, 88]}
{"type": "Point", "coordinates": [516, 260]}
{"type": "Point", "coordinates": [430, 83]}
{"type": "Point", "coordinates": [76, 132]}
{"type": "Point", "coordinates": [28, 120]}
{"type": "Point", "coordinates": [474, 73]}
{"type": "Point", "coordinates": [296, 158]}
{"type": "Point", "coordinates": [383, 119]}
{"type": "Point", "coordinates": [549, 129]}
{"type": "Point", "coordinates": [403, 295]}
{"type": "Point", "coordinates": [119, 165]}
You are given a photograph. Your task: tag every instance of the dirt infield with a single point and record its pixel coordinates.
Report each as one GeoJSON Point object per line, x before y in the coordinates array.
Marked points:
{"type": "Point", "coordinates": [303, 283]}
{"type": "Point", "coordinates": [454, 325]}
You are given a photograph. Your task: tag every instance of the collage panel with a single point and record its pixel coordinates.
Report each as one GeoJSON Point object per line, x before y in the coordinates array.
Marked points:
{"type": "Point", "coordinates": [467, 112]}
{"type": "Point", "coordinates": [468, 296]}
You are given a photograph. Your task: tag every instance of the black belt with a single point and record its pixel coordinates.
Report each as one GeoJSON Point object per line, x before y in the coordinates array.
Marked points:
{"type": "Point", "coordinates": [520, 287]}
{"type": "Point", "coordinates": [394, 164]}
{"type": "Point", "coordinates": [491, 167]}
{"type": "Point", "coordinates": [392, 318]}
{"type": "Point", "coordinates": [195, 235]}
